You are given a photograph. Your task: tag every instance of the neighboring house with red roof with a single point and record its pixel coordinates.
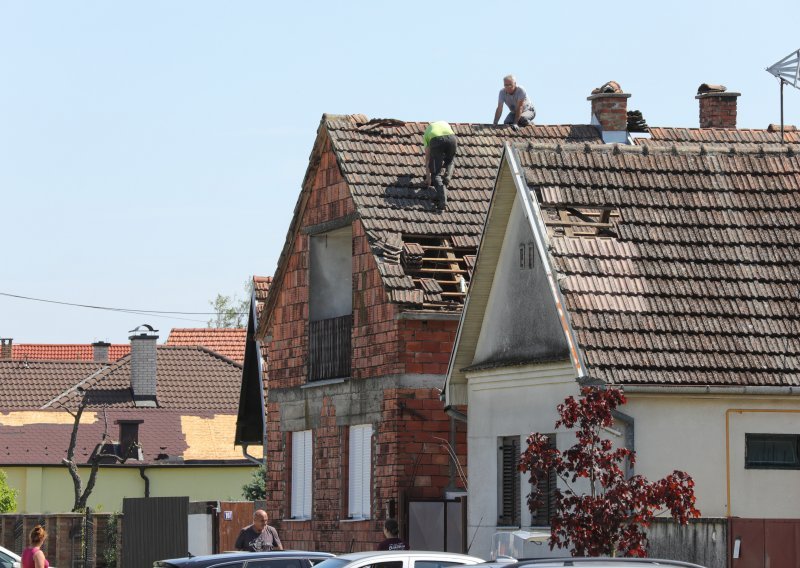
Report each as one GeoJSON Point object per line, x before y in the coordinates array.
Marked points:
{"type": "Point", "coordinates": [177, 403]}
{"type": "Point", "coordinates": [98, 351]}
{"type": "Point", "coordinates": [668, 268]}
{"type": "Point", "coordinates": [359, 324]}
{"type": "Point", "coordinates": [229, 342]}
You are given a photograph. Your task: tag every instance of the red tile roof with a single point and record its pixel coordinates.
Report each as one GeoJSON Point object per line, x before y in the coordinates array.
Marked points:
{"type": "Point", "coordinates": [65, 351]}
{"type": "Point", "coordinates": [228, 342]}
{"type": "Point", "coordinates": [696, 279]}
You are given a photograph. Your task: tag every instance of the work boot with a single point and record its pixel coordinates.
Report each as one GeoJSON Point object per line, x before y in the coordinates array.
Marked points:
{"type": "Point", "coordinates": [441, 197]}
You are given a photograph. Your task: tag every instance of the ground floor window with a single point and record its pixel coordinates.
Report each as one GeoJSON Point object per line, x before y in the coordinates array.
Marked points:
{"type": "Point", "coordinates": [772, 451]}
{"type": "Point", "coordinates": [301, 460]}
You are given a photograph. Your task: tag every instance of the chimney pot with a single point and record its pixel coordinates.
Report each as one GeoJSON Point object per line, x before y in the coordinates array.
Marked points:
{"type": "Point", "coordinates": [100, 351]}
{"type": "Point", "coordinates": [143, 365]}
{"type": "Point", "coordinates": [5, 347]}
{"type": "Point", "coordinates": [610, 112]}
{"type": "Point", "coordinates": [717, 106]}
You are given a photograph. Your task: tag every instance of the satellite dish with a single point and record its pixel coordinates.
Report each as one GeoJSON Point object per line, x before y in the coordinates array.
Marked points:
{"type": "Point", "coordinates": [787, 70]}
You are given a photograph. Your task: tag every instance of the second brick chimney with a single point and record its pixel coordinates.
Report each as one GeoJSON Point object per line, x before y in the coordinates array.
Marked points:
{"type": "Point", "coordinates": [5, 347]}
{"type": "Point", "coordinates": [143, 365]}
{"type": "Point", "coordinates": [610, 112]}
{"type": "Point", "coordinates": [100, 351]}
{"type": "Point", "coordinates": [717, 106]}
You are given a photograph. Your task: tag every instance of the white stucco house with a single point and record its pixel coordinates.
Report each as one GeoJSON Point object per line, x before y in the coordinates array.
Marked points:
{"type": "Point", "coordinates": [667, 268]}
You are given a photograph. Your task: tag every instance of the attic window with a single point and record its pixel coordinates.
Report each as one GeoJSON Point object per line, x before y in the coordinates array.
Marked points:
{"type": "Point", "coordinates": [128, 434]}
{"type": "Point", "coordinates": [440, 267]}
{"type": "Point", "coordinates": [581, 221]}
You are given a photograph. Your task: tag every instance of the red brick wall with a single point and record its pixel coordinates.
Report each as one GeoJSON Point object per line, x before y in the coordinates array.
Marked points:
{"type": "Point", "coordinates": [409, 462]}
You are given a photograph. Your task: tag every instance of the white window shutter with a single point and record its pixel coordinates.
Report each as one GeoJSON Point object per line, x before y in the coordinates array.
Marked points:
{"type": "Point", "coordinates": [301, 474]}
{"type": "Point", "coordinates": [309, 459]}
{"type": "Point", "coordinates": [359, 470]}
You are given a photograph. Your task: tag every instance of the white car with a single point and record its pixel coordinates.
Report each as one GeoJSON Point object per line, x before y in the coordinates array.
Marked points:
{"type": "Point", "coordinates": [8, 559]}
{"type": "Point", "coordinates": [399, 559]}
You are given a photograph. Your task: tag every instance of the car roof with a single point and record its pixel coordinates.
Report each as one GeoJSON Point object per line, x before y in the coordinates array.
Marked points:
{"type": "Point", "coordinates": [597, 562]}
{"type": "Point", "coordinates": [353, 556]}
{"type": "Point", "coordinates": [215, 558]}
{"type": "Point", "coordinates": [11, 553]}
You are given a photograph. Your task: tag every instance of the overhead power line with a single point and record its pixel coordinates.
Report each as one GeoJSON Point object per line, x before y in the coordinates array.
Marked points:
{"type": "Point", "coordinates": [153, 313]}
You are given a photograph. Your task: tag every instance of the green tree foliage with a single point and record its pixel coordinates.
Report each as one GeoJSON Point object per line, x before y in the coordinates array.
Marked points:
{"type": "Point", "coordinates": [230, 311]}
{"type": "Point", "coordinates": [8, 496]}
{"type": "Point", "coordinates": [256, 488]}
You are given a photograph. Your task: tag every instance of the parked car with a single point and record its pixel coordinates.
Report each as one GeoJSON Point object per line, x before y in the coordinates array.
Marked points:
{"type": "Point", "coordinates": [399, 559]}
{"type": "Point", "coordinates": [601, 562]}
{"type": "Point", "coordinates": [8, 559]}
{"type": "Point", "coordinates": [271, 559]}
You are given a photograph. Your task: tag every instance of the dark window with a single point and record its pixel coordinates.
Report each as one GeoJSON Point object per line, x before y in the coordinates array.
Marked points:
{"type": "Point", "coordinates": [772, 451]}
{"type": "Point", "coordinates": [434, 564]}
{"type": "Point", "coordinates": [277, 563]}
{"type": "Point", "coordinates": [230, 565]}
{"type": "Point", "coordinates": [530, 254]}
{"type": "Point", "coordinates": [522, 255]}
{"type": "Point", "coordinates": [392, 564]}
{"type": "Point", "coordinates": [547, 488]}
{"type": "Point", "coordinates": [508, 475]}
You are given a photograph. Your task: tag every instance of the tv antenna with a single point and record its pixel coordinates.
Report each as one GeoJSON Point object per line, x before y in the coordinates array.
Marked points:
{"type": "Point", "coordinates": [787, 70]}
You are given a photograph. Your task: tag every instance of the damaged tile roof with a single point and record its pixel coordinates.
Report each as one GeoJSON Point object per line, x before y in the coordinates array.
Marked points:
{"type": "Point", "coordinates": [171, 437]}
{"type": "Point", "coordinates": [32, 384]}
{"type": "Point", "coordinates": [228, 342]}
{"type": "Point", "coordinates": [188, 378]}
{"type": "Point", "coordinates": [686, 268]}
{"type": "Point", "coordinates": [65, 351]}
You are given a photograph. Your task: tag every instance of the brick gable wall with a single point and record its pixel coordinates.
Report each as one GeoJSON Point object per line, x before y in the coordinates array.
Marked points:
{"type": "Point", "coordinates": [408, 460]}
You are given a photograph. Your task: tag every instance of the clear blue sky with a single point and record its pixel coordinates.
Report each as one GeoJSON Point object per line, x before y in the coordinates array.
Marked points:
{"type": "Point", "coordinates": [151, 153]}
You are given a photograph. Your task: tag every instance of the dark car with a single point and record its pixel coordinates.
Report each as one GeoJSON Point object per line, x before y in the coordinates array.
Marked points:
{"type": "Point", "coordinates": [272, 559]}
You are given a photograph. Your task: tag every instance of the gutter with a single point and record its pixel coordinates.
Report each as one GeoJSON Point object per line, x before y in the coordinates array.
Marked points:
{"type": "Point", "coordinates": [146, 480]}
{"type": "Point", "coordinates": [756, 390]}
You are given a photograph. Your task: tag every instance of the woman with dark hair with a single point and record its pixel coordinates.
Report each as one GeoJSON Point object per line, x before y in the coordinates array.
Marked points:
{"type": "Point", "coordinates": [32, 556]}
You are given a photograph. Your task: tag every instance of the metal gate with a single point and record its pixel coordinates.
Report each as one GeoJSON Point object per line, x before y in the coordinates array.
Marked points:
{"type": "Point", "coordinates": [232, 516]}
{"type": "Point", "coordinates": [439, 524]}
{"type": "Point", "coordinates": [759, 543]}
{"type": "Point", "coordinates": [154, 528]}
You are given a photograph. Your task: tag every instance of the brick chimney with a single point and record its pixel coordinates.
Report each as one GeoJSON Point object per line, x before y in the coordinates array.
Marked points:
{"type": "Point", "coordinates": [610, 112]}
{"type": "Point", "coordinates": [143, 365]}
{"type": "Point", "coordinates": [5, 347]}
{"type": "Point", "coordinates": [100, 351]}
{"type": "Point", "coordinates": [717, 106]}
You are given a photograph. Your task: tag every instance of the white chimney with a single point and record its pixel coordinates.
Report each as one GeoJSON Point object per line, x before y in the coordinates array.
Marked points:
{"type": "Point", "coordinates": [143, 365]}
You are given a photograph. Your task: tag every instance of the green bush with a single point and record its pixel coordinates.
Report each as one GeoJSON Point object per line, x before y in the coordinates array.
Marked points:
{"type": "Point", "coordinates": [8, 496]}
{"type": "Point", "coordinates": [256, 488]}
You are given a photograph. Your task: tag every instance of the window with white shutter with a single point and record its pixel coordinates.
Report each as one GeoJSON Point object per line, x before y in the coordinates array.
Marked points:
{"type": "Point", "coordinates": [302, 458]}
{"type": "Point", "coordinates": [359, 471]}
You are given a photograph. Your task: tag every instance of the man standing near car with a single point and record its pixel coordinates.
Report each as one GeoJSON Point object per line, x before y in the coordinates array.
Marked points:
{"type": "Point", "coordinates": [259, 536]}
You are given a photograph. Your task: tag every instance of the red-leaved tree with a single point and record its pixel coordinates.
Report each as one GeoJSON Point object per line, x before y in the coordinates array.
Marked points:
{"type": "Point", "coordinates": [609, 518]}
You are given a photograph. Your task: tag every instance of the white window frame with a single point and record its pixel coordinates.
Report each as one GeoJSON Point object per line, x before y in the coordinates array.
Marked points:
{"type": "Point", "coordinates": [359, 472]}
{"type": "Point", "coordinates": [302, 458]}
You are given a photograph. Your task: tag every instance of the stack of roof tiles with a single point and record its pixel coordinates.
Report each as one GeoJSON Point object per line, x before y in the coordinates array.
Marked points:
{"type": "Point", "coordinates": [700, 282]}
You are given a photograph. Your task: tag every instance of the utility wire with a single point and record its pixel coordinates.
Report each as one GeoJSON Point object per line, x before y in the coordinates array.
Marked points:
{"type": "Point", "coordinates": [153, 313]}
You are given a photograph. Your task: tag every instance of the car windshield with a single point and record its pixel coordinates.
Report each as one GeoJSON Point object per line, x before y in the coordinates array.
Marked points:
{"type": "Point", "coordinates": [332, 563]}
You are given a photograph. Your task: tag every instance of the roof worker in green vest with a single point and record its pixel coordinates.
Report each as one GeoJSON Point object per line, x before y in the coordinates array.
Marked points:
{"type": "Point", "coordinates": [440, 150]}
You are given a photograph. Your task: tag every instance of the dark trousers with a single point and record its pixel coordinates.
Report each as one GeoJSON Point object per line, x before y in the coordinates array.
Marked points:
{"type": "Point", "coordinates": [442, 152]}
